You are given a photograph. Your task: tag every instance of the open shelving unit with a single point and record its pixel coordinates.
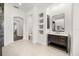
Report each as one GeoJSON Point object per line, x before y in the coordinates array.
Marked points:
{"type": "Point", "coordinates": [41, 23]}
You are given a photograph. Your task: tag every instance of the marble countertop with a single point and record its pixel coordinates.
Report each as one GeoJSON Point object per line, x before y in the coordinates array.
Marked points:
{"type": "Point", "coordinates": [58, 33]}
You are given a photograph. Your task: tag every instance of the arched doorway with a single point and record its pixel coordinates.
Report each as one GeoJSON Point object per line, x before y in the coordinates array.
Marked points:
{"type": "Point", "coordinates": [18, 28]}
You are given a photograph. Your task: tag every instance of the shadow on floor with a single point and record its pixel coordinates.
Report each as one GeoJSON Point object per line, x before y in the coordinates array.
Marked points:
{"type": "Point", "coordinates": [58, 46]}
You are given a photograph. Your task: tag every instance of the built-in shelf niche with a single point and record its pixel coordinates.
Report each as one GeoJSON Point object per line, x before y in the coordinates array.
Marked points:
{"type": "Point", "coordinates": [41, 21]}
{"type": "Point", "coordinates": [41, 15]}
{"type": "Point", "coordinates": [41, 26]}
{"type": "Point", "coordinates": [41, 31]}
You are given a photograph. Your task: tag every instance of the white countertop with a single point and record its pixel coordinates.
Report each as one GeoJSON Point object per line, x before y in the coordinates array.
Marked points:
{"type": "Point", "coordinates": [58, 33]}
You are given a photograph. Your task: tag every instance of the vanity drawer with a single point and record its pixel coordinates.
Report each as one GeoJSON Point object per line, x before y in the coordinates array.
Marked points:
{"type": "Point", "coordinates": [51, 38]}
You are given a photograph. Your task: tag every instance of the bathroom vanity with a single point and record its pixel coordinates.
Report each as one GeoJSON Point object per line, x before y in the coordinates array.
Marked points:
{"type": "Point", "coordinates": [57, 35]}
{"type": "Point", "coordinates": [60, 39]}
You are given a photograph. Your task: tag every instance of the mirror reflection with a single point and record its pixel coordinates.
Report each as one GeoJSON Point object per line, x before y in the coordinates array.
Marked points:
{"type": "Point", "coordinates": [58, 23]}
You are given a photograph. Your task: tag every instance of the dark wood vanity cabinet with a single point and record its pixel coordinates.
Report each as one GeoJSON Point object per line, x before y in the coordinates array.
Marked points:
{"type": "Point", "coordinates": [58, 39]}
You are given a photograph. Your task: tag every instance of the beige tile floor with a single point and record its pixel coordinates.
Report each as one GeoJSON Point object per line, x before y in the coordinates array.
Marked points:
{"type": "Point", "coordinates": [27, 48]}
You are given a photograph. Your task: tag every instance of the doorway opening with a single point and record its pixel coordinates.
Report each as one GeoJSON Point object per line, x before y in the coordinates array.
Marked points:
{"type": "Point", "coordinates": [18, 28]}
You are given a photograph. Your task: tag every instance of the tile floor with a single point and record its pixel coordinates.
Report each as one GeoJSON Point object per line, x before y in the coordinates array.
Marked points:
{"type": "Point", "coordinates": [27, 48]}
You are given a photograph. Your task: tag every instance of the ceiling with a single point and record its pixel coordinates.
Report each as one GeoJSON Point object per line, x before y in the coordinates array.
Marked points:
{"type": "Point", "coordinates": [29, 6]}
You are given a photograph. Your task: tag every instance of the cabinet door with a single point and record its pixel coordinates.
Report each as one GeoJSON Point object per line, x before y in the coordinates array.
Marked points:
{"type": "Point", "coordinates": [52, 38]}
{"type": "Point", "coordinates": [62, 40]}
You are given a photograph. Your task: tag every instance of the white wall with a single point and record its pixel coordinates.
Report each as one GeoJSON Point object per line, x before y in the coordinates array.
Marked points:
{"type": "Point", "coordinates": [9, 13]}
{"type": "Point", "coordinates": [35, 25]}
{"type": "Point", "coordinates": [30, 23]}
{"type": "Point", "coordinates": [75, 30]}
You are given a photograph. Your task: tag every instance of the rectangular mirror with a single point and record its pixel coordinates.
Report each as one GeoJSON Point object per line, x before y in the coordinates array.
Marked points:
{"type": "Point", "coordinates": [58, 23]}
